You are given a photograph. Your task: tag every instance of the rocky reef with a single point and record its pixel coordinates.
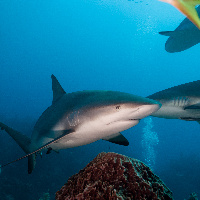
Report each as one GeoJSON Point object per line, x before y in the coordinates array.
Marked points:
{"type": "Point", "coordinates": [115, 177]}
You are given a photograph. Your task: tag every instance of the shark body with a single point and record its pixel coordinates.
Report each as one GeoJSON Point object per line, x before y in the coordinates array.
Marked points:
{"type": "Point", "coordinates": [80, 118]}
{"type": "Point", "coordinates": [183, 37]}
{"type": "Point", "coordinates": [179, 102]}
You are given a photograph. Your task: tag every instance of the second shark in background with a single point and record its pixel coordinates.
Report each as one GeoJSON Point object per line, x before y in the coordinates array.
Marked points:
{"type": "Point", "coordinates": [179, 102]}
{"type": "Point", "coordinates": [183, 37]}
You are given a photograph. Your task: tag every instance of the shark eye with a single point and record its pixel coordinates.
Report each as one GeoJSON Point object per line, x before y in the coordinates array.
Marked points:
{"type": "Point", "coordinates": [117, 107]}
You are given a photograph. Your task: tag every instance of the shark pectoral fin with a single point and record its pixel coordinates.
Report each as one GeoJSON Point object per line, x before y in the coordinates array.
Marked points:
{"type": "Point", "coordinates": [32, 154]}
{"type": "Point", "coordinates": [187, 7]}
{"type": "Point", "coordinates": [177, 33]}
{"type": "Point", "coordinates": [194, 106]}
{"type": "Point", "coordinates": [167, 33]}
{"type": "Point", "coordinates": [117, 138]}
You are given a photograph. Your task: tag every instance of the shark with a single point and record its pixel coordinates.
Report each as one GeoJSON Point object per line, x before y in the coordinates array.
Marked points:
{"type": "Point", "coordinates": [183, 37]}
{"type": "Point", "coordinates": [79, 118]}
{"type": "Point", "coordinates": [179, 102]}
{"type": "Point", "coordinates": [187, 7]}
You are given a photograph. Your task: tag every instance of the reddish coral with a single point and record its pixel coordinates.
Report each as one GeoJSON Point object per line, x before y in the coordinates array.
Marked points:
{"type": "Point", "coordinates": [112, 176]}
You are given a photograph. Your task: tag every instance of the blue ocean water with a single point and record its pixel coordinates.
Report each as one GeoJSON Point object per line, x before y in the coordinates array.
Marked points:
{"type": "Point", "coordinates": [87, 45]}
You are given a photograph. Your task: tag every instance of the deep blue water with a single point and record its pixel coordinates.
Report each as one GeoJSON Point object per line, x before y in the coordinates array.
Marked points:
{"type": "Point", "coordinates": [91, 44]}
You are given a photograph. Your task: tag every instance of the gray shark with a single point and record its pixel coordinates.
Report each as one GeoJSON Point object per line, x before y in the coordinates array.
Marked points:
{"type": "Point", "coordinates": [80, 118]}
{"type": "Point", "coordinates": [183, 37]}
{"type": "Point", "coordinates": [179, 102]}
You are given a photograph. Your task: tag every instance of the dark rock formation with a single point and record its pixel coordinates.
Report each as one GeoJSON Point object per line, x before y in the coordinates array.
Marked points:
{"type": "Point", "coordinates": [112, 176]}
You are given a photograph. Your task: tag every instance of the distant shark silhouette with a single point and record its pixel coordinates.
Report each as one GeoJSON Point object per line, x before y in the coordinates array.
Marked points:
{"type": "Point", "coordinates": [187, 7]}
{"type": "Point", "coordinates": [183, 37]}
{"type": "Point", "coordinates": [80, 118]}
{"type": "Point", "coordinates": [179, 102]}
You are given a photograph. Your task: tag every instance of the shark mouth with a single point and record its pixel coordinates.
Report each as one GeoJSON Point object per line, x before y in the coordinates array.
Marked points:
{"type": "Point", "coordinates": [123, 121]}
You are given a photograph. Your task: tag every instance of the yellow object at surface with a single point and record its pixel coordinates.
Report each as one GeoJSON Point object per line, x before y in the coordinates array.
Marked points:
{"type": "Point", "coordinates": [187, 7]}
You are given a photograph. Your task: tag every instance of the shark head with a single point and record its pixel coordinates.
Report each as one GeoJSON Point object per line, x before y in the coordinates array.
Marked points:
{"type": "Point", "coordinates": [106, 112]}
{"type": "Point", "coordinates": [115, 109]}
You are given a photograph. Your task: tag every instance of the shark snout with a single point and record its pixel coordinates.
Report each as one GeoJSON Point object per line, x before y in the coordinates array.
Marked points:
{"type": "Point", "coordinates": [144, 111]}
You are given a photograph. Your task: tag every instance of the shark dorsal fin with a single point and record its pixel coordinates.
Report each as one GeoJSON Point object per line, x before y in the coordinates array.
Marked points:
{"type": "Point", "coordinates": [58, 91]}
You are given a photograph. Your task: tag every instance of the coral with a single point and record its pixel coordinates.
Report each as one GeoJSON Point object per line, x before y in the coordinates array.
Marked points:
{"type": "Point", "coordinates": [112, 176]}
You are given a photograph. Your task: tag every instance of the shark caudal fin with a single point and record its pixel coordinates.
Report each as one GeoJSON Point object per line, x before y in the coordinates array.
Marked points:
{"type": "Point", "coordinates": [24, 142]}
{"type": "Point", "coordinates": [187, 7]}
{"type": "Point", "coordinates": [32, 154]}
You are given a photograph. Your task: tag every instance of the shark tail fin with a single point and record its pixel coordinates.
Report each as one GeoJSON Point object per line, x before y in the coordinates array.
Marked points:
{"type": "Point", "coordinates": [24, 142]}
{"type": "Point", "coordinates": [187, 7]}
{"type": "Point", "coordinates": [32, 155]}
